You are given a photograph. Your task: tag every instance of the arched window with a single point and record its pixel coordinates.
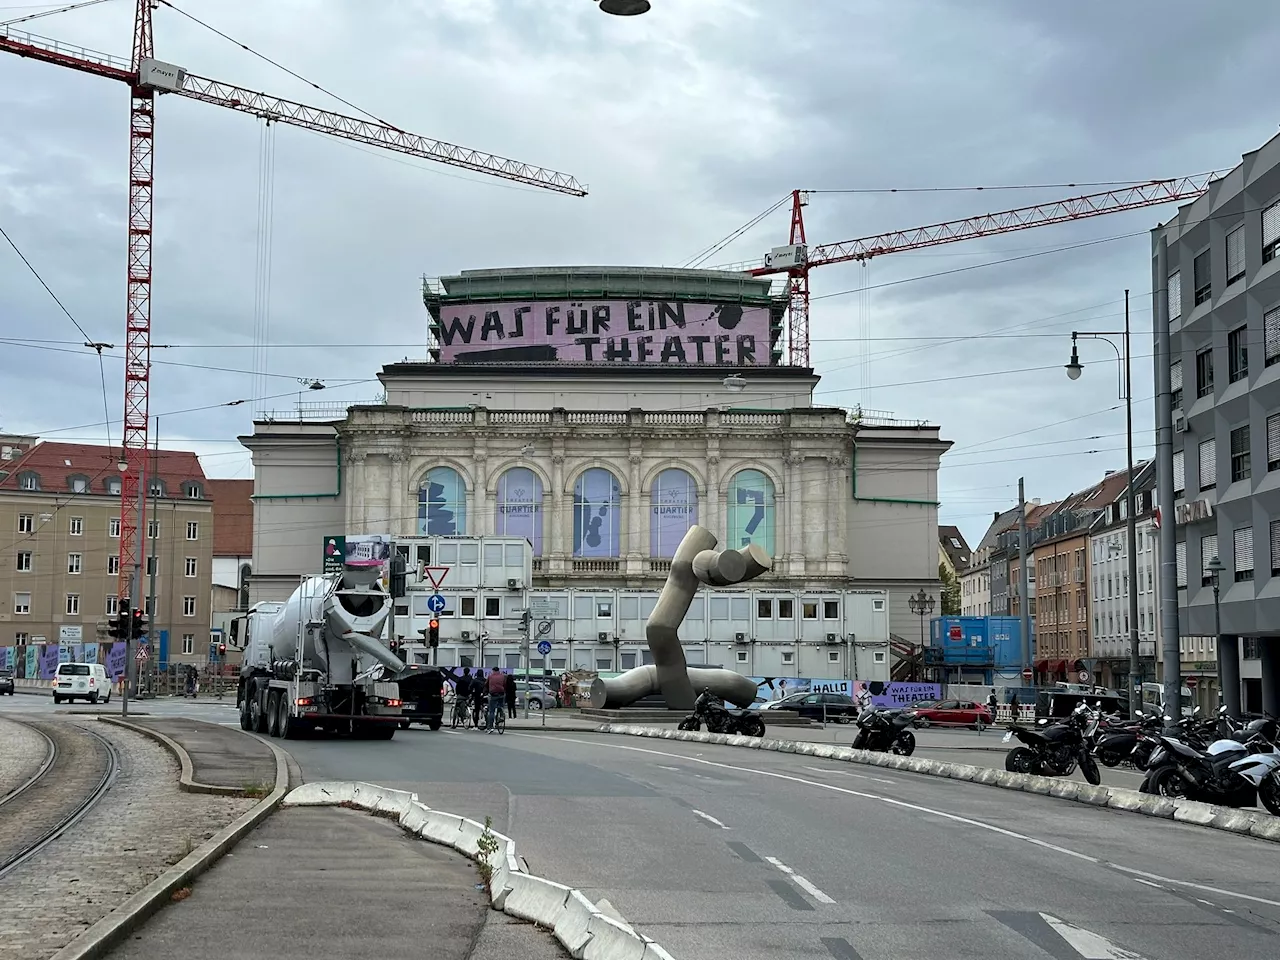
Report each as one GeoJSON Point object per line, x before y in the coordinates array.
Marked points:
{"type": "Point", "coordinates": [673, 509]}
{"type": "Point", "coordinates": [751, 510]}
{"type": "Point", "coordinates": [442, 504]}
{"type": "Point", "coordinates": [518, 508]}
{"type": "Point", "coordinates": [597, 514]}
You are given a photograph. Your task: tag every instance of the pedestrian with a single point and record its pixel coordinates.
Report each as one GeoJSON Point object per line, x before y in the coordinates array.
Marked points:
{"type": "Point", "coordinates": [509, 692]}
{"type": "Point", "coordinates": [993, 702]}
{"type": "Point", "coordinates": [1013, 706]}
{"type": "Point", "coordinates": [497, 687]}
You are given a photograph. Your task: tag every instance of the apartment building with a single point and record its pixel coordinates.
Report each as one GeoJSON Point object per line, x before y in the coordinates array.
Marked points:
{"type": "Point", "coordinates": [60, 542]}
{"type": "Point", "coordinates": [1218, 261]}
{"type": "Point", "coordinates": [953, 560]}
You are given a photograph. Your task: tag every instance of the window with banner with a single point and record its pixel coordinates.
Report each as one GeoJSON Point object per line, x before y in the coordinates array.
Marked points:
{"type": "Point", "coordinates": [442, 503]}
{"type": "Point", "coordinates": [597, 514]}
{"type": "Point", "coordinates": [752, 512]}
{"type": "Point", "coordinates": [673, 509]}
{"type": "Point", "coordinates": [518, 507]}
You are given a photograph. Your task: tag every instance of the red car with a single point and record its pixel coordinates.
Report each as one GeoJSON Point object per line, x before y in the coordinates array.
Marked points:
{"type": "Point", "coordinates": [957, 713]}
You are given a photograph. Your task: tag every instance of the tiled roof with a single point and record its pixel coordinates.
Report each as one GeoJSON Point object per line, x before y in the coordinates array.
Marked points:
{"type": "Point", "coordinates": [58, 464]}
{"type": "Point", "coordinates": [953, 542]}
{"type": "Point", "coordinates": [232, 517]}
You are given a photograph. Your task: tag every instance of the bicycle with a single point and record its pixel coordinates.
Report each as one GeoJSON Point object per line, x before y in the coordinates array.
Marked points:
{"type": "Point", "coordinates": [500, 722]}
{"type": "Point", "coordinates": [461, 713]}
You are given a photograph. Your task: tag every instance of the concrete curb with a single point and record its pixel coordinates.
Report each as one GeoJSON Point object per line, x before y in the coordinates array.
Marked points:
{"type": "Point", "coordinates": [582, 928]}
{"type": "Point", "coordinates": [105, 935]}
{"type": "Point", "coordinates": [1243, 822]}
{"type": "Point", "coordinates": [187, 782]}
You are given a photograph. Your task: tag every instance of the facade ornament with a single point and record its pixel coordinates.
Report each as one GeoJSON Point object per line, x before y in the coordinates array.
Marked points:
{"type": "Point", "coordinates": [713, 459]}
{"type": "Point", "coordinates": [558, 460]}
{"type": "Point", "coordinates": [793, 460]}
{"type": "Point", "coordinates": [356, 456]}
{"type": "Point", "coordinates": [838, 461]}
{"type": "Point", "coordinates": [398, 457]}
{"type": "Point", "coordinates": [634, 459]}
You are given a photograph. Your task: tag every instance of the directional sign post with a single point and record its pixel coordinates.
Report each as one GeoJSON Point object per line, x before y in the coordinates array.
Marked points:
{"type": "Point", "coordinates": [436, 603]}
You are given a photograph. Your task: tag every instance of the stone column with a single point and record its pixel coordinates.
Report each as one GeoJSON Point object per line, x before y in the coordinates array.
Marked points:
{"type": "Point", "coordinates": [794, 514]}
{"type": "Point", "coordinates": [403, 514]}
{"type": "Point", "coordinates": [1269, 648]}
{"type": "Point", "coordinates": [711, 514]}
{"type": "Point", "coordinates": [480, 515]}
{"type": "Point", "coordinates": [635, 513]}
{"type": "Point", "coordinates": [356, 518]}
{"type": "Point", "coordinates": [556, 546]}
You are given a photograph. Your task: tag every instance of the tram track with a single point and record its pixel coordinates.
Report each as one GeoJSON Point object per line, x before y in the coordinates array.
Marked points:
{"type": "Point", "coordinates": [79, 768]}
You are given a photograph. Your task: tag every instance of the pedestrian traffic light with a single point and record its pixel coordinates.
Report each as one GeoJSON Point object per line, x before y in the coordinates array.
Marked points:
{"type": "Point", "coordinates": [433, 633]}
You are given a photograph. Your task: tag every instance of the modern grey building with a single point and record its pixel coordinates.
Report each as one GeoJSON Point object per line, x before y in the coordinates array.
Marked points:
{"type": "Point", "coordinates": [1224, 325]}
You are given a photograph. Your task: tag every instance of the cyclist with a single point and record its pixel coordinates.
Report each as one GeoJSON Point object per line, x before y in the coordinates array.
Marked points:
{"type": "Point", "coordinates": [478, 692]}
{"type": "Point", "coordinates": [497, 687]}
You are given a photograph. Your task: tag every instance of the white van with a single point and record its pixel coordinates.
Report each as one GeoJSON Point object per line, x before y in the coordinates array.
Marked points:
{"type": "Point", "coordinates": [81, 681]}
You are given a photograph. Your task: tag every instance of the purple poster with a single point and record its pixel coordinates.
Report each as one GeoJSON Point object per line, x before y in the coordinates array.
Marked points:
{"type": "Point", "coordinates": [597, 514]}
{"type": "Point", "coordinates": [49, 661]}
{"type": "Point", "coordinates": [518, 509]}
{"type": "Point", "coordinates": [116, 659]}
{"type": "Point", "coordinates": [673, 509]}
{"type": "Point", "coordinates": [623, 332]}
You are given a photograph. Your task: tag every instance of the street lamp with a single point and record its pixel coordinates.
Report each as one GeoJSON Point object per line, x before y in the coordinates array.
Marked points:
{"type": "Point", "coordinates": [734, 383]}
{"type": "Point", "coordinates": [921, 605]}
{"type": "Point", "coordinates": [1124, 360]}
{"type": "Point", "coordinates": [1215, 568]}
{"type": "Point", "coordinates": [624, 8]}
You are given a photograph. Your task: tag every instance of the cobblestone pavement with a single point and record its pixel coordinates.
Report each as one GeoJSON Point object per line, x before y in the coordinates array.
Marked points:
{"type": "Point", "coordinates": [144, 825]}
{"type": "Point", "coordinates": [24, 751]}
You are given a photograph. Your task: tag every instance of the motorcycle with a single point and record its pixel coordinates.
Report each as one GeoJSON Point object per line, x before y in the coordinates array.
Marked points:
{"type": "Point", "coordinates": [1263, 771]}
{"type": "Point", "coordinates": [1054, 750]}
{"type": "Point", "coordinates": [1124, 742]}
{"type": "Point", "coordinates": [710, 710]}
{"type": "Point", "coordinates": [1216, 773]}
{"type": "Point", "coordinates": [883, 730]}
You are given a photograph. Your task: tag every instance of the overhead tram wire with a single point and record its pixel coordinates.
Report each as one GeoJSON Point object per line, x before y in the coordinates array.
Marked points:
{"type": "Point", "coordinates": [88, 340]}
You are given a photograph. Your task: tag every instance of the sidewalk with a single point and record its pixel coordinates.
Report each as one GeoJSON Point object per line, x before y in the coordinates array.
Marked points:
{"type": "Point", "coordinates": [325, 882]}
{"type": "Point", "coordinates": [221, 756]}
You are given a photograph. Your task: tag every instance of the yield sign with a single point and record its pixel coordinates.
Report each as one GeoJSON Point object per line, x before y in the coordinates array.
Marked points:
{"type": "Point", "coordinates": [436, 575]}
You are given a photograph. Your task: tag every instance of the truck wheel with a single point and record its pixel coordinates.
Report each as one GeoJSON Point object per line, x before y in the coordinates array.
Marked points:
{"type": "Point", "coordinates": [434, 724]}
{"type": "Point", "coordinates": [285, 724]}
{"type": "Point", "coordinates": [404, 724]}
{"type": "Point", "coordinates": [273, 713]}
{"type": "Point", "coordinates": [246, 716]}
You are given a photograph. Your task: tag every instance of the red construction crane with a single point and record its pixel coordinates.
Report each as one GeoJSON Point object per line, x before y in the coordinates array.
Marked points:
{"type": "Point", "coordinates": [797, 259]}
{"type": "Point", "coordinates": [147, 77]}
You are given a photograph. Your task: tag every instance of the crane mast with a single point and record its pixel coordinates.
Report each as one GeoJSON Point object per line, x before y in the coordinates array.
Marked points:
{"type": "Point", "coordinates": [797, 259]}
{"type": "Point", "coordinates": [147, 77]}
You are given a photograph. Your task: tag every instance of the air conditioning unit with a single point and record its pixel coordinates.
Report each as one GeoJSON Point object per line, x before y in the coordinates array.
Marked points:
{"type": "Point", "coordinates": [833, 638]}
{"type": "Point", "coordinates": [603, 636]}
{"type": "Point", "coordinates": [739, 638]}
{"type": "Point", "coordinates": [514, 584]}
{"type": "Point", "coordinates": [1179, 424]}
{"type": "Point", "coordinates": [466, 634]}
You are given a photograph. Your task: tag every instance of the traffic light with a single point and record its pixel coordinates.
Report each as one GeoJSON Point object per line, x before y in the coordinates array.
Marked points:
{"type": "Point", "coordinates": [399, 585]}
{"type": "Point", "coordinates": [394, 646]}
{"type": "Point", "coordinates": [119, 627]}
{"type": "Point", "coordinates": [222, 649]}
{"type": "Point", "coordinates": [433, 633]}
{"type": "Point", "coordinates": [139, 624]}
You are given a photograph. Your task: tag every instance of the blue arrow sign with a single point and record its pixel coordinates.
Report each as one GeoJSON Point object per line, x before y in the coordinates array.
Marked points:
{"type": "Point", "coordinates": [544, 647]}
{"type": "Point", "coordinates": [435, 603]}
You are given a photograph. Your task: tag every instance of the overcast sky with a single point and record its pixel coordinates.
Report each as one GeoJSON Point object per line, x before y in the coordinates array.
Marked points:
{"type": "Point", "coordinates": [685, 124]}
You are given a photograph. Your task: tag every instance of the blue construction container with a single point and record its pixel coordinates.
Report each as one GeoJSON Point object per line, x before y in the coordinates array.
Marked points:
{"type": "Point", "coordinates": [969, 646]}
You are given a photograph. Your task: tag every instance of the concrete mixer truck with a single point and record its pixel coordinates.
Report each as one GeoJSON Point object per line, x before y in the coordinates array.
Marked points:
{"type": "Point", "coordinates": [315, 661]}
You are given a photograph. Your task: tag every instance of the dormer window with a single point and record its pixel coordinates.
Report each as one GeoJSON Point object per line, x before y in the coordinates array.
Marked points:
{"type": "Point", "coordinates": [192, 490]}
{"type": "Point", "coordinates": [78, 483]}
{"type": "Point", "coordinates": [28, 481]}
{"type": "Point", "coordinates": [113, 486]}
{"type": "Point", "coordinates": [155, 488]}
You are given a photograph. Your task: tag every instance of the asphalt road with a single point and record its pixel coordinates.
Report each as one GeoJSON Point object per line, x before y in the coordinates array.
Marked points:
{"type": "Point", "coordinates": [725, 854]}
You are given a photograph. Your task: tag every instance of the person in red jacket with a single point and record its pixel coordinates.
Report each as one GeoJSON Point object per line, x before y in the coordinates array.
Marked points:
{"type": "Point", "coordinates": [497, 687]}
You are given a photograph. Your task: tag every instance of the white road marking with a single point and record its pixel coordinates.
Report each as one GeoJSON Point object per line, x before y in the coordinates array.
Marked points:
{"type": "Point", "coordinates": [859, 776]}
{"type": "Point", "coordinates": [664, 767]}
{"type": "Point", "coordinates": [1012, 834]}
{"type": "Point", "coordinates": [800, 881]}
{"type": "Point", "coordinates": [710, 819]}
{"type": "Point", "coordinates": [1089, 945]}
{"type": "Point", "coordinates": [1148, 883]}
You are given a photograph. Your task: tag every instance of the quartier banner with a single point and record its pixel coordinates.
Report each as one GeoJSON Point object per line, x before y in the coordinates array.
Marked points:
{"type": "Point", "coordinates": [619, 332]}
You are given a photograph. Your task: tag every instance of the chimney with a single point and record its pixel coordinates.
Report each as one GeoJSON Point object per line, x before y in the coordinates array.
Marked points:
{"type": "Point", "coordinates": [996, 517]}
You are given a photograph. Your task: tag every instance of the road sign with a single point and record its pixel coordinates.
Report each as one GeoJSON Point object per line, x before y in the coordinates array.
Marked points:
{"type": "Point", "coordinates": [1084, 676]}
{"type": "Point", "coordinates": [545, 627]}
{"type": "Point", "coordinates": [1027, 675]}
{"type": "Point", "coordinates": [542, 608]}
{"type": "Point", "coordinates": [436, 575]}
{"type": "Point", "coordinates": [144, 653]}
{"type": "Point", "coordinates": [544, 647]}
{"type": "Point", "coordinates": [436, 603]}
{"type": "Point", "coordinates": [1191, 682]}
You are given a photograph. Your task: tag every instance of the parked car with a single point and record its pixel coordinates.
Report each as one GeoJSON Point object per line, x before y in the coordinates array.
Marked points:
{"type": "Point", "coordinates": [6, 681]}
{"type": "Point", "coordinates": [959, 713]}
{"type": "Point", "coordinates": [538, 695]}
{"type": "Point", "coordinates": [836, 707]}
{"type": "Point", "coordinates": [81, 681]}
{"type": "Point", "coordinates": [783, 703]}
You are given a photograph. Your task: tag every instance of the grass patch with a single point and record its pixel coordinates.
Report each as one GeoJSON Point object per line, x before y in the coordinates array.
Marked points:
{"type": "Point", "coordinates": [255, 789]}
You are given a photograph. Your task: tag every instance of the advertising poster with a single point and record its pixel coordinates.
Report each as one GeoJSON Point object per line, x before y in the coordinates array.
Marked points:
{"type": "Point", "coordinates": [751, 511]}
{"type": "Point", "coordinates": [518, 510]}
{"type": "Point", "coordinates": [673, 510]}
{"type": "Point", "coordinates": [622, 332]}
{"type": "Point", "coordinates": [117, 657]}
{"type": "Point", "coordinates": [442, 504]}
{"type": "Point", "coordinates": [90, 653]}
{"type": "Point", "coordinates": [49, 655]}
{"type": "Point", "coordinates": [597, 514]}
{"type": "Point", "coordinates": [361, 550]}
{"type": "Point", "coordinates": [6, 658]}
{"type": "Point", "coordinates": [32, 671]}
{"type": "Point", "coordinates": [887, 694]}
